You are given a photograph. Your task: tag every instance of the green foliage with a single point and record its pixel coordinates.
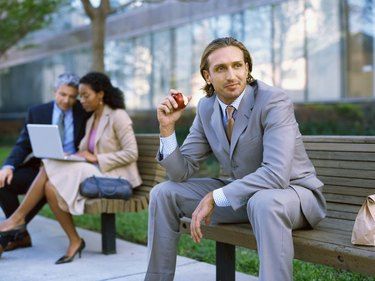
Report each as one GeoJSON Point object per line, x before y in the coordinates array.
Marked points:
{"type": "Point", "coordinates": [336, 119]}
{"type": "Point", "coordinates": [247, 261]}
{"type": "Point", "coordinates": [18, 18]}
{"type": "Point", "coordinates": [132, 227]}
{"type": "Point", "coordinates": [305, 271]}
{"type": "Point", "coordinates": [4, 151]}
{"type": "Point", "coordinates": [204, 251]}
{"type": "Point", "coordinates": [6, 141]}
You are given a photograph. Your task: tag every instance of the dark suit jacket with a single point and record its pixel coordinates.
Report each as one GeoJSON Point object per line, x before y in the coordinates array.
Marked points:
{"type": "Point", "coordinates": [42, 114]}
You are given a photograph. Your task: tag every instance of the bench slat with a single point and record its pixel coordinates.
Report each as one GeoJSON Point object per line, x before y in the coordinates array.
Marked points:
{"type": "Point", "coordinates": [348, 190]}
{"type": "Point", "coordinates": [339, 164]}
{"type": "Point", "coordinates": [341, 207]}
{"type": "Point", "coordinates": [358, 147]}
{"type": "Point", "coordinates": [346, 173]}
{"type": "Point", "coordinates": [342, 215]}
{"type": "Point", "coordinates": [338, 139]}
{"type": "Point", "coordinates": [339, 198]}
{"type": "Point", "coordinates": [366, 183]}
{"type": "Point", "coordinates": [335, 223]}
{"type": "Point", "coordinates": [334, 155]}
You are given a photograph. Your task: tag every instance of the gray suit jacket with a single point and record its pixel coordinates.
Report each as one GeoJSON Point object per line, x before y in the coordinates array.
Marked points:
{"type": "Point", "coordinates": [266, 150]}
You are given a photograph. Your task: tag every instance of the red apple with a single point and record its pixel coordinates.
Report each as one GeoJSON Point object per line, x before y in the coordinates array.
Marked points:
{"type": "Point", "coordinates": [181, 100]}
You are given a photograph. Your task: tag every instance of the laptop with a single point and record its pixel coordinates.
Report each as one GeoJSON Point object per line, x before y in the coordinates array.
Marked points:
{"type": "Point", "coordinates": [46, 143]}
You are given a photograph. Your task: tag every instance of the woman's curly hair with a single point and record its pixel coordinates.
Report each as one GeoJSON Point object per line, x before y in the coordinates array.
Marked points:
{"type": "Point", "coordinates": [98, 81]}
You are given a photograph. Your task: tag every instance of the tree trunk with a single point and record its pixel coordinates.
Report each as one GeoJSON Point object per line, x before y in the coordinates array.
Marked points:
{"type": "Point", "coordinates": [98, 27]}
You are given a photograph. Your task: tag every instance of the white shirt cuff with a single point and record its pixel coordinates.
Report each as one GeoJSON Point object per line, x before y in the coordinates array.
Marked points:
{"type": "Point", "coordinates": [168, 145]}
{"type": "Point", "coordinates": [220, 199]}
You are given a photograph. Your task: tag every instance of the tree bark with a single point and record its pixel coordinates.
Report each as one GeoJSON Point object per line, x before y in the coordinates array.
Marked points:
{"type": "Point", "coordinates": [98, 18]}
{"type": "Point", "coordinates": [98, 27]}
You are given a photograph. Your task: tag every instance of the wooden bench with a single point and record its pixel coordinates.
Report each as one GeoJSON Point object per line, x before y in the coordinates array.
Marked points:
{"type": "Point", "coordinates": [151, 173]}
{"type": "Point", "coordinates": [346, 165]}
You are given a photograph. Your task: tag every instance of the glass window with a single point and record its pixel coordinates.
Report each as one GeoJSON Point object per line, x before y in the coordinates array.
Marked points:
{"type": "Point", "coordinates": [203, 33]}
{"type": "Point", "coordinates": [223, 26]}
{"type": "Point", "coordinates": [129, 62]}
{"type": "Point", "coordinates": [360, 47]}
{"type": "Point", "coordinates": [289, 59]}
{"type": "Point", "coordinates": [323, 50]}
{"type": "Point", "coordinates": [161, 67]}
{"type": "Point", "coordinates": [238, 26]}
{"type": "Point", "coordinates": [182, 68]}
{"type": "Point", "coordinates": [258, 40]}
{"type": "Point", "coordinates": [142, 67]}
{"type": "Point", "coordinates": [119, 61]}
{"type": "Point", "coordinates": [20, 87]}
{"type": "Point", "coordinates": [27, 84]}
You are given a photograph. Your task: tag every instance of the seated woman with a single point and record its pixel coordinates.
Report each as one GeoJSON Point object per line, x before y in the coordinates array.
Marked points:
{"type": "Point", "coordinates": [110, 149]}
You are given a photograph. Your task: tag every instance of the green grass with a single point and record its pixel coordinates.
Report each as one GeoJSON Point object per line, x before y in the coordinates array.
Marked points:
{"type": "Point", "coordinates": [133, 227]}
{"type": "Point", "coordinates": [4, 151]}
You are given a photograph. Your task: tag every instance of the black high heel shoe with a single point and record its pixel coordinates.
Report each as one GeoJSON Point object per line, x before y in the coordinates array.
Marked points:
{"type": "Point", "coordinates": [66, 259]}
{"type": "Point", "coordinates": [15, 230]}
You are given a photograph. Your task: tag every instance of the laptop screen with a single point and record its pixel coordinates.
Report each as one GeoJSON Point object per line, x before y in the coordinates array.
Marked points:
{"type": "Point", "coordinates": [45, 141]}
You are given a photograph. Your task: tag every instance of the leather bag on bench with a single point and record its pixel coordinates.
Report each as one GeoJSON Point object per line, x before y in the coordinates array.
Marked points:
{"type": "Point", "coordinates": [106, 187]}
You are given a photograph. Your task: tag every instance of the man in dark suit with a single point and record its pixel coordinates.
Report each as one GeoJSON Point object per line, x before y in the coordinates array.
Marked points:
{"type": "Point", "coordinates": [20, 167]}
{"type": "Point", "coordinates": [269, 180]}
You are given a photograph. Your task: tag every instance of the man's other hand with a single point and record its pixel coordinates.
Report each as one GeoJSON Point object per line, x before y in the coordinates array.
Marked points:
{"type": "Point", "coordinates": [204, 212]}
{"type": "Point", "coordinates": [6, 176]}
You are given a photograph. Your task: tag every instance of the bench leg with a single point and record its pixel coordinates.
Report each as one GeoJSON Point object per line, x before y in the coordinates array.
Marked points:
{"type": "Point", "coordinates": [108, 222]}
{"type": "Point", "coordinates": [225, 262]}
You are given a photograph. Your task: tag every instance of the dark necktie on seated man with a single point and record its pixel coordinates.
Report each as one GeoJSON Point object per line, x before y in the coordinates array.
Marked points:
{"type": "Point", "coordinates": [61, 125]}
{"type": "Point", "coordinates": [230, 121]}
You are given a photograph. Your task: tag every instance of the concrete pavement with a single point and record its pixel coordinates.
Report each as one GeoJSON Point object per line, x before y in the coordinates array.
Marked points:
{"type": "Point", "coordinates": [129, 264]}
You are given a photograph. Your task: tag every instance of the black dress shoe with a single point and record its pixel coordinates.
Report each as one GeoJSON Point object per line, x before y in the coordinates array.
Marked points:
{"type": "Point", "coordinates": [66, 259]}
{"type": "Point", "coordinates": [21, 240]}
{"type": "Point", "coordinates": [15, 230]}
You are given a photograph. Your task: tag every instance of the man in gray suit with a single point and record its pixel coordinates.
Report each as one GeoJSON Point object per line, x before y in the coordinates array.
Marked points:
{"type": "Point", "coordinates": [270, 181]}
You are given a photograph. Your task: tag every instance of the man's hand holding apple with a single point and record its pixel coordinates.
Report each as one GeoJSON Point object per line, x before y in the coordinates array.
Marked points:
{"type": "Point", "coordinates": [170, 110]}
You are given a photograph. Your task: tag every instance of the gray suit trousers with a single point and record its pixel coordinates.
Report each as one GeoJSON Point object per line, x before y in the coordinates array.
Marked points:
{"type": "Point", "coordinates": [273, 214]}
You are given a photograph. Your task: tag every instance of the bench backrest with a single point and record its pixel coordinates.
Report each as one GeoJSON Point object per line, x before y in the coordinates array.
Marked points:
{"type": "Point", "coordinates": [346, 165]}
{"type": "Point", "coordinates": [151, 172]}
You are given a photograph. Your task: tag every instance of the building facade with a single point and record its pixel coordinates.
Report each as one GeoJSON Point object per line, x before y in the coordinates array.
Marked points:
{"type": "Point", "coordinates": [316, 50]}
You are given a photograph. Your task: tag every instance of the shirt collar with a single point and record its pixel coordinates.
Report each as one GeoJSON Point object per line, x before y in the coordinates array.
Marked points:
{"type": "Point", "coordinates": [56, 108]}
{"type": "Point", "coordinates": [235, 103]}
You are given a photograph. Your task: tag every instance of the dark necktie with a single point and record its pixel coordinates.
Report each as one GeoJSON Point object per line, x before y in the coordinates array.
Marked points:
{"type": "Point", "coordinates": [230, 121]}
{"type": "Point", "coordinates": [61, 125]}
